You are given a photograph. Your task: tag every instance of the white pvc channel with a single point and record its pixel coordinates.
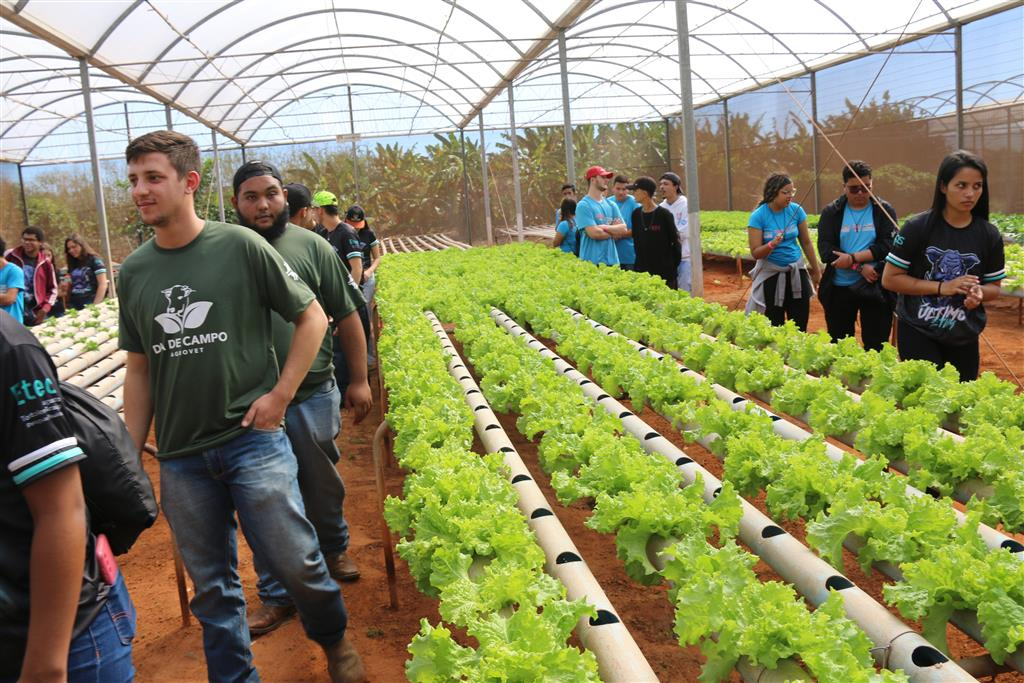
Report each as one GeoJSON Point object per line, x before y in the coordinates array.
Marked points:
{"type": "Point", "coordinates": [787, 430]}
{"type": "Point", "coordinates": [898, 646]}
{"type": "Point", "coordinates": [619, 659]}
{"type": "Point", "coordinates": [965, 620]}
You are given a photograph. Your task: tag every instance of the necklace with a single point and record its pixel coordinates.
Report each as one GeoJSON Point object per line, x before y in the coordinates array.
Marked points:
{"type": "Point", "coordinates": [785, 222]}
{"type": "Point", "coordinates": [644, 220]}
{"type": "Point", "coordinates": [858, 216]}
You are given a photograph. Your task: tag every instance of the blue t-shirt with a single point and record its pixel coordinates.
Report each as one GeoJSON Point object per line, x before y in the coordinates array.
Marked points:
{"type": "Point", "coordinates": [11, 276]}
{"type": "Point", "coordinates": [857, 234]}
{"type": "Point", "coordinates": [569, 232]}
{"type": "Point", "coordinates": [590, 212]}
{"type": "Point", "coordinates": [771, 223]}
{"type": "Point", "coordinates": [627, 252]}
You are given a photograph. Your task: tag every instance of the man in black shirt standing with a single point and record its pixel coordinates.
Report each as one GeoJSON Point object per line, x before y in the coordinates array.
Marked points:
{"type": "Point", "coordinates": [654, 234]}
{"type": "Point", "coordinates": [58, 605]}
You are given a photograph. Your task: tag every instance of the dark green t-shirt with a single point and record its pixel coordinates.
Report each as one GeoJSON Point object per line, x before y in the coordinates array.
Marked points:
{"type": "Point", "coordinates": [320, 269]}
{"type": "Point", "coordinates": [201, 315]}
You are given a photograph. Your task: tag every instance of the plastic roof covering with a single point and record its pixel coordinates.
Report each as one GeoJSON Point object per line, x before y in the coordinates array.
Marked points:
{"type": "Point", "coordinates": [263, 72]}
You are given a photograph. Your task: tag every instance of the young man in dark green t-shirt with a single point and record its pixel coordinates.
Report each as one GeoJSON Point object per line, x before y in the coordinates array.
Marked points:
{"type": "Point", "coordinates": [313, 419]}
{"type": "Point", "coordinates": [195, 319]}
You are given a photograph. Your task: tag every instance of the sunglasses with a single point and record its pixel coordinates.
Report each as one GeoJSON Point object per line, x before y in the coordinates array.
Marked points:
{"type": "Point", "coordinates": [857, 189]}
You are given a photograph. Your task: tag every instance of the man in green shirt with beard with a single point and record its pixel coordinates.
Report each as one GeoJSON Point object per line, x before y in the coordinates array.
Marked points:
{"type": "Point", "coordinates": [195, 319]}
{"type": "Point", "coordinates": [313, 419]}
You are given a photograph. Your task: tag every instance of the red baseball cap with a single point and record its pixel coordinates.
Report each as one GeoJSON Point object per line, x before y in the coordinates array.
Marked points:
{"type": "Point", "coordinates": [595, 171]}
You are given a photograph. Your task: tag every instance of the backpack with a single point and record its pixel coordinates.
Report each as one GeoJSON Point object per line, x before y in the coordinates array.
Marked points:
{"type": "Point", "coordinates": [117, 490]}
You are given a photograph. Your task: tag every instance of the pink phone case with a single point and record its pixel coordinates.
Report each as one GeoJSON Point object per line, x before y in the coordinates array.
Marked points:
{"type": "Point", "coordinates": [105, 560]}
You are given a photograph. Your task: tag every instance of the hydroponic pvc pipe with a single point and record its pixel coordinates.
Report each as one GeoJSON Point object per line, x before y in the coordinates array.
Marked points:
{"type": "Point", "coordinates": [787, 430]}
{"type": "Point", "coordinates": [618, 657]}
{"type": "Point", "coordinates": [898, 646]}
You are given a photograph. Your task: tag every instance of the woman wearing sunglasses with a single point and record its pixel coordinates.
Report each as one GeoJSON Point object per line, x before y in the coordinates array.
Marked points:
{"type": "Point", "coordinates": [944, 264]}
{"type": "Point", "coordinates": [781, 288]}
{"type": "Point", "coordinates": [854, 236]}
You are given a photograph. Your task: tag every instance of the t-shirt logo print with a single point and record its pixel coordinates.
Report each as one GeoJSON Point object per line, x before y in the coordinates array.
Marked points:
{"type": "Point", "coordinates": [182, 314]}
{"type": "Point", "coordinates": [949, 264]}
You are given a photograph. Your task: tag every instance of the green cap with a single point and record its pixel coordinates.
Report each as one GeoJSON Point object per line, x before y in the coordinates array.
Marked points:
{"type": "Point", "coordinates": [325, 198]}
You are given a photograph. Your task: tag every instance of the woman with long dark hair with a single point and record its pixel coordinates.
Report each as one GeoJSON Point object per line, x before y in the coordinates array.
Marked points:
{"type": "Point", "coordinates": [566, 238]}
{"type": "Point", "coordinates": [944, 264]}
{"type": "Point", "coordinates": [776, 233]}
{"type": "Point", "coordinates": [88, 274]}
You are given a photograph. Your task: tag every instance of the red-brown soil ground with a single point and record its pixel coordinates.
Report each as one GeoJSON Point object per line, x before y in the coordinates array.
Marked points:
{"type": "Point", "coordinates": [166, 651]}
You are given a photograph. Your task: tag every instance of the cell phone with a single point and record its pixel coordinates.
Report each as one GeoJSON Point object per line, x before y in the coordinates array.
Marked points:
{"type": "Point", "coordinates": [105, 560]}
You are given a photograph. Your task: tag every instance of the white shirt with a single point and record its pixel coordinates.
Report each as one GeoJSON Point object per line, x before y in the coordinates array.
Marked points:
{"type": "Point", "coordinates": [679, 213]}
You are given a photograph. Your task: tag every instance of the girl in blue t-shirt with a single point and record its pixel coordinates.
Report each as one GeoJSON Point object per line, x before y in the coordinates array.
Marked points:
{"type": "Point", "coordinates": [781, 288]}
{"type": "Point", "coordinates": [565, 233]}
{"type": "Point", "coordinates": [87, 272]}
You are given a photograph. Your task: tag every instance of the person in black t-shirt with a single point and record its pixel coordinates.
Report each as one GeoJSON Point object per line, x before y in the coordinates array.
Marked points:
{"type": "Point", "coordinates": [355, 218]}
{"type": "Point", "coordinates": [654, 234]}
{"type": "Point", "coordinates": [77, 621]}
{"type": "Point", "coordinates": [944, 264]}
{"type": "Point", "coordinates": [87, 271]}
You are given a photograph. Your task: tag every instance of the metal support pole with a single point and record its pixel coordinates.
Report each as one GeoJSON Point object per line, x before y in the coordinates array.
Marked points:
{"type": "Point", "coordinates": [97, 181]}
{"type": "Point", "coordinates": [515, 164]}
{"type": "Point", "coordinates": [728, 155]}
{"type": "Point", "coordinates": [167, 116]}
{"type": "Point", "coordinates": [243, 154]}
{"type": "Point", "coordinates": [465, 188]}
{"type": "Point", "coordinates": [668, 143]}
{"type": "Point", "coordinates": [814, 143]}
{"type": "Point", "coordinates": [216, 175]}
{"type": "Point", "coordinates": [483, 176]}
{"type": "Point", "coordinates": [127, 123]}
{"type": "Point", "coordinates": [958, 36]}
{"type": "Point", "coordinates": [355, 151]}
{"type": "Point", "coordinates": [570, 155]}
{"type": "Point", "coordinates": [690, 147]}
{"type": "Point", "coordinates": [24, 202]}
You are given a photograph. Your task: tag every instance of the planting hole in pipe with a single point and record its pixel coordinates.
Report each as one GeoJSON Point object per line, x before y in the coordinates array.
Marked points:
{"type": "Point", "coordinates": [738, 399]}
{"type": "Point", "coordinates": [463, 379]}
{"type": "Point", "coordinates": [541, 512]}
{"type": "Point", "coordinates": [925, 656]}
{"type": "Point", "coordinates": [625, 414]}
{"type": "Point", "coordinates": [683, 461]}
{"type": "Point", "coordinates": [933, 492]}
{"type": "Point", "coordinates": [472, 391]}
{"type": "Point", "coordinates": [603, 618]}
{"type": "Point", "coordinates": [603, 397]}
{"type": "Point", "coordinates": [838, 583]}
{"type": "Point", "coordinates": [458, 365]}
{"type": "Point", "coordinates": [507, 449]}
{"type": "Point", "coordinates": [771, 530]}
{"type": "Point", "coordinates": [480, 407]}
{"type": "Point", "coordinates": [1012, 545]}
{"type": "Point", "coordinates": [567, 557]}
{"type": "Point", "coordinates": [520, 477]}
{"type": "Point", "coordinates": [490, 427]}
{"type": "Point", "coordinates": [651, 435]}
{"type": "Point", "coordinates": [714, 494]}
{"type": "Point", "coordinates": [775, 418]}
{"type": "Point", "coordinates": [586, 381]}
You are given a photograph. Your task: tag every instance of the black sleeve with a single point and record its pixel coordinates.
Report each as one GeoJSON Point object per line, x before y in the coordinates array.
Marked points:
{"type": "Point", "coordinates": [828, 233]}
{"type": "Point", "coordinates": [38, 436]}
{"type": "Point", "coordinates": [885, 229]}
{"type": "Point", "coordinates": [668, 227]}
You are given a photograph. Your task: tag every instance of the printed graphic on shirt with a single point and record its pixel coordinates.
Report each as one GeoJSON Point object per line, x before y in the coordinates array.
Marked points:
{"type": "Point", "coordinates": [944, 312]}
{"type": "Point", "coordinates": [184, 314]}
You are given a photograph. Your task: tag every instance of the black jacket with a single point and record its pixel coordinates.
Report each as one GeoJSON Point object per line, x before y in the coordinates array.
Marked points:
{"type": "Point", "coordinates": [831, 222]}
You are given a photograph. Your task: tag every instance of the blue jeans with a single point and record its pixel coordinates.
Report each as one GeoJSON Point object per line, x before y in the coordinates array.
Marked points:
{"type": "Point", "coordinates": [683, 274]}
{"type": "Point", "coordinates": [312, 427]}
{"type": "Point", "coordinates": [254, 475]}
{"type": "Point", "coordinates": [103, 652]}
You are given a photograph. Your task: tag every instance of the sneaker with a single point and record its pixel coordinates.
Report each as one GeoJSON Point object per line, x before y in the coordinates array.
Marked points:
{"type": "Point", "coordinates": [269, 617]}
{"type": "Point", "coordinates": [341, 567]}
{"type": "Point", "coordinates": [343, 663]}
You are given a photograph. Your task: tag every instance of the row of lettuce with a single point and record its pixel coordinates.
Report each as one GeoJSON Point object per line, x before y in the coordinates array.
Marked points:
{"type": "Point", "coordinates": [946, 567]}
{"type": "Point", "coordinates": [720, 602]}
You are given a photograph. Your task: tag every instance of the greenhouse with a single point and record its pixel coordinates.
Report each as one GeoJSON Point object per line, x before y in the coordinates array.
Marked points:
{"type": "Point", "coordinates": [554, 468]}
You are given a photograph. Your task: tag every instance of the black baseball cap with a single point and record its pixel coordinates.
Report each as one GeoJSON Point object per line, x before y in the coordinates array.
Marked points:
{"type": "Point", "coordinates": [644, 183]}
{"type": "Point", "coordinates": [672, 178]}
{"type": "Point", "coordinates": [356, 216]}
{"type": "Point", "coordinates": [299, 197]}
{"type": "Point", "coordinates": [254, 169]}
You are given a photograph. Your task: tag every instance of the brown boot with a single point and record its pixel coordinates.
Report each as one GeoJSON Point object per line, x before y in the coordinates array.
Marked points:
{"type": "Point", "coordinates": [341, 567]}
{"type": "Point", "coordinates": [269, 617]}
{"type": "Point", "coordinates": [343, 663]}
